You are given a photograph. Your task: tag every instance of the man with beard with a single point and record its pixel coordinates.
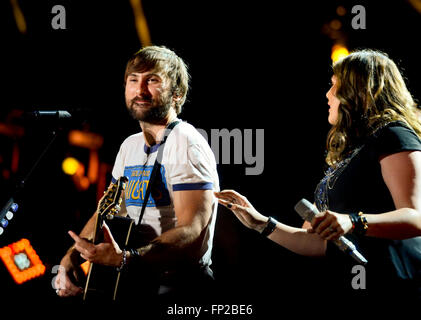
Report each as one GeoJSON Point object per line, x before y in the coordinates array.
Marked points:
{"type": "Point", "coordinates": [177, 227]}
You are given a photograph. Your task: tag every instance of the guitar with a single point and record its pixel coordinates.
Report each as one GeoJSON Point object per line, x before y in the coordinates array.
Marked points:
{"type": "Point", "coordinates": [102, 282]}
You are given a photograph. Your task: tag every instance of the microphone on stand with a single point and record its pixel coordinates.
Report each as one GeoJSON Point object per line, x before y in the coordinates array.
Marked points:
{"type": "Point", "coordinates": [58, 118]}
{"type": "Point", "coordinates": [54, 115]}
{"type": "Point", "coordinates": [307, 211]}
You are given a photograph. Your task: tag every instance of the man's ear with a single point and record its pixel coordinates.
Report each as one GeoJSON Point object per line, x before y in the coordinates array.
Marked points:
{"type": "Point", "coordinates": [176, 98]}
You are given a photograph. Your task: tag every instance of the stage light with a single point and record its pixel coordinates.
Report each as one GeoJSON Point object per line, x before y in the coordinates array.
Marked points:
{"type": "Point", "coordinates": [341, 11]}
{"type": "Point", "coordinates": [22, 261]}
{"type": "Point", "coordinates": [85, 267]}
{"type": "Point", "coordinates": [140, 22]}
{"type": "Point", "coordinates": [335, 24]}
{"type": "Point", "coordinates": [87, 140]}
{"type": "Point", "coordinates": [338, 52]}
{"type": "Point", "coordinates": [7, 214]}
{"type": "Point", "coordinates": [19, 17]}
{"type": "Point", "coordinates": [70, 165]}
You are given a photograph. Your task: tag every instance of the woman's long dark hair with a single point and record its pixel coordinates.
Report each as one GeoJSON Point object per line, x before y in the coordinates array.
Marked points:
{"type": "Point", "coordinates": [372, 93]}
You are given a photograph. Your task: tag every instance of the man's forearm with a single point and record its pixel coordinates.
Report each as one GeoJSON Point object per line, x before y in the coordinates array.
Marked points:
{"type": "Point", "coordinates": [171, 246]}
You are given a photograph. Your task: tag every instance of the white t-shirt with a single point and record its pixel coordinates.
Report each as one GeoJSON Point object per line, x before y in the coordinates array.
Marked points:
{"type": "Point", "coordinates": [188, 163]}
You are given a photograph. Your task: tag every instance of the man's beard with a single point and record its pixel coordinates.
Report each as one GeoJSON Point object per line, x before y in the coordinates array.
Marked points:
{"type": "Point", "coordinates": [154, 113]}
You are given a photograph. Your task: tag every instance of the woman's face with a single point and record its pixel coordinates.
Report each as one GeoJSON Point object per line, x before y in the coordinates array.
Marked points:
{"type": "Point", "coordinates": [333, 102]}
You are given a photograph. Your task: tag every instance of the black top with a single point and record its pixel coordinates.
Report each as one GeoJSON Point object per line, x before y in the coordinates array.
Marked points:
{"type": "Point", "coordinates": [357, 185]}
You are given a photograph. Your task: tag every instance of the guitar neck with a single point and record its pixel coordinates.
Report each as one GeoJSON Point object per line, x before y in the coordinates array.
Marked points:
{"type": "Point", "coordinates": [98, 229]}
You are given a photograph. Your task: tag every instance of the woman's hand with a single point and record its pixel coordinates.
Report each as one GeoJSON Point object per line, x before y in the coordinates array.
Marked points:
{"type": "Point", "coordinates": [243, 209]}
{"type": "Point", "coordinates": [330, 225]}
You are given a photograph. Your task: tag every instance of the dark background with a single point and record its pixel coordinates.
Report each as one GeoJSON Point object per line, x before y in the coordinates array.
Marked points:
{"type": "Point", "coordinates": [254, 65]}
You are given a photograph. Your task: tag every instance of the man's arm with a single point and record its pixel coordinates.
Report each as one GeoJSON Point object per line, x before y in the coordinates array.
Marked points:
{"type": "Point", "coordinates": [68, 264]}
{"type": "Point", "coordinates": [193, 209]}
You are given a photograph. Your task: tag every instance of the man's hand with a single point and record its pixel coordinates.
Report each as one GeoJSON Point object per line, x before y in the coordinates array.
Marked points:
{"type": "Point", "coordinates": [106, 253]}
{"type": "Point", "coordinates": [64, 287]}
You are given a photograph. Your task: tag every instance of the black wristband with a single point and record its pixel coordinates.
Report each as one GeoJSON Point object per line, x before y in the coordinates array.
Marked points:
{"type": "Point", "coordinates": [359, 223]}
{"type": "Point", "coordinates": [270, 227]}
{"type": "Point", "coordinates": [354, 220]}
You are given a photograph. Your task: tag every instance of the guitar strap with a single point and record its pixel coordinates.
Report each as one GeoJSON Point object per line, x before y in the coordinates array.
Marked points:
{"type": "Point", "coordinates": [156, 167]}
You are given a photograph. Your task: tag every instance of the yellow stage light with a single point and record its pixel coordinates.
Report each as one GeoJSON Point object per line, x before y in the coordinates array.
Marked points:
{"type": "Point", "coordinates": [338, 52]}
{"type": "Point", "coordinates": [19, 17]}
{"type": "Point", "coordinates": [141, 23]}
{"type": "Point", "coordinates": [70, 165]}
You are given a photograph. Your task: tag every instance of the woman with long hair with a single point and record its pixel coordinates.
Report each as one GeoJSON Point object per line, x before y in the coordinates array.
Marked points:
{"type": "Point", "coordinates": [371, 192]}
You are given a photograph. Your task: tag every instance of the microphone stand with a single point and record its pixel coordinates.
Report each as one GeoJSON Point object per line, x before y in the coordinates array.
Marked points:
{"type": "Point", "coordinates": [11, 206]}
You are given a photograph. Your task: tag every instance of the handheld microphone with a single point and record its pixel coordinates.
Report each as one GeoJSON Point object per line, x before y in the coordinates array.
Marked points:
{"type": "Point", "coordinates": [307, 211]}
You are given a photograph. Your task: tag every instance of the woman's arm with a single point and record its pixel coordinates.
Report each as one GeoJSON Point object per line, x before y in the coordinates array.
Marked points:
{"type": "Point", "coordinates": [297, 240]}
{"type": "Point", "coordinates": [402, 175]}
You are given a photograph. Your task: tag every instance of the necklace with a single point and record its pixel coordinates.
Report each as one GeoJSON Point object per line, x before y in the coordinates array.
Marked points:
{"type": "Point", "coordinates": [328, 182]}
{"type": "Point", "coordinates": [332, 174]}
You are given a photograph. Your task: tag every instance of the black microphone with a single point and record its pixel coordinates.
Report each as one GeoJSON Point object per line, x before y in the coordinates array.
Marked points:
{"type": "Point", "coordinates": [307, 211]}
{"type": "Point", "coordinates": [56, 115]}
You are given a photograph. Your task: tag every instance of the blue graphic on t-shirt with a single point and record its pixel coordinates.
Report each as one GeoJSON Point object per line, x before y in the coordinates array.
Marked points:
{"type": "Point", "coordinates": [139, 177]}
